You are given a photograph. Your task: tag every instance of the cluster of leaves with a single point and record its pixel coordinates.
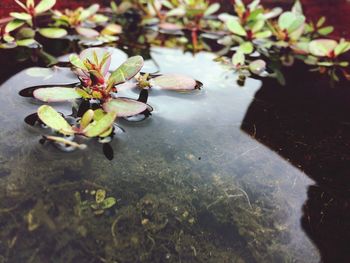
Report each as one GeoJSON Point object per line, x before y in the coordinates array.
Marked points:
{"type": "Point", "coordinates": [83, 22]}
{"type": "Point", "coordinates": [280, 38]}
{"type": "Point", "coordinates": [99, 204]}
{"type": "Point", "coordinates": [21, 30]}
{"type": "Point", "coordinates": [99, 88]}
{"type": "Point", "coordinates": [175, 16]}
{"type": "Point", "coordinates": [171, 14]}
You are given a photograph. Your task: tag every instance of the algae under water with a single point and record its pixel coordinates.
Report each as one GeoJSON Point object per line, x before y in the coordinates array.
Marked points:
{"type": "Point", "coordinates": [193, 183]}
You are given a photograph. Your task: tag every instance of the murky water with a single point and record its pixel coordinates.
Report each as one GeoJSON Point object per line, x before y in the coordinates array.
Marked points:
{"type": "Point", "coordinates": [195, 182]}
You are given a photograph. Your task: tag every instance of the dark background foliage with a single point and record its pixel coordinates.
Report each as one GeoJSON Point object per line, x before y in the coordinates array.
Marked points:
{"type": "Point", "coordinates": [335, 10]}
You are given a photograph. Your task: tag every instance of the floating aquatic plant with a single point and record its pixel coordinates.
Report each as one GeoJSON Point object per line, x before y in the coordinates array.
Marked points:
{"type": "Point", "coordinates": [25, 24]}
{"type": "Point", "coordinates": [83, 22]}
{"type": "Point", "coordinates": [278, 38]}
{"type": "Point", "coordinates": [92, 68]}
{"type": "Point", "coordinates": [96, 97]}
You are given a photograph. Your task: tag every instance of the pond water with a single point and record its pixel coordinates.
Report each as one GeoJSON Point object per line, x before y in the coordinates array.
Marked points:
{"type": "Point", "coordinates": [223, 174]}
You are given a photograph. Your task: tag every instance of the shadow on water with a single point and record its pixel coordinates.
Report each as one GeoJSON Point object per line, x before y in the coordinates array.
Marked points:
{"type": "Point", "coordinates": [308, 123]}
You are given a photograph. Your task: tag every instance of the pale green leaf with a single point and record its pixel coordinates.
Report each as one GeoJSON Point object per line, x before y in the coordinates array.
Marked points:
{"type": "Point", "coordinates": [246, 47]}
{"type": "Point", "coordinates": [238, 59]}
{"type": "Point", "coordinates": [44, 6]}
{"type": "Point", "coordinates": [13, 25]}
{"type": "Point", "coordinates": [108, 203]}
{"type": "Point", "coordinates": [51, 32]}
{"type": "Point", "coordinates": [290, 21]}
{"type": "Point", "coordinates": [96, 128]}
{"type": "Point", "coordinates": [125, 107]}
{"type": "Point", "coordinates": [324, 31]}
{"type": "Point", "coordinates": [258, 25]}
{"type": "Point", "coordinates": [77, 62]}
{"type": "Point", "coordinates": [321, 21]}
{"type": "Point", "coordinates": [297, 8]}
{"type": "Point", "coordinates": [26, 42]}
{"type": "Point", "coordinates": [235, 27]}
{"type": "Point", "coordinates": [21, 16]}
{"type": "Point", "coordinates": [54, 120]}
{"type": "Point", "coordinates": [87, 118]}
{"type": "Point", "coordinates": [56, 94]}
{"type": "Point", "coordinates": [212, 9]}
{"type": "Point", "coordinates": [342, 47]}
{"type": "Point", "coordinates": [322, 47]}
{"type": "Point", "coordinates": [180, 11]}
{"type": "Point", "coordinates": [263, 34]}
{"type": "Point", "coordinates": [126, 71]}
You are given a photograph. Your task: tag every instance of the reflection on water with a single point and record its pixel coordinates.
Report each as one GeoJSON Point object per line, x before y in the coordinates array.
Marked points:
{"type": "Point", "coordinates": [307, 123]}
{"type": "Point", "coordinates": [191, 185]}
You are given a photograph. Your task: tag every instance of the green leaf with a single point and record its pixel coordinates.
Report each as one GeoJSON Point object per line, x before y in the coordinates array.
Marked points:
{"type": "Point", "coordinates": [254, 5]}
{"type": "Point", "coordinates": [290, 21]}
{"type": "Point", "coordinates": [213, 8]}
{"type": "Point", "coordinates": [342, 47]}
{"type": "Point", "coordinates": [108, 203]}
{"type": "Point", "coordinates": [76, 61]}
{"type": "Point", "coordinates": [44, 6]}
{"type": "Point", "coordinates": [322, 47]}
{"type": "Point", "coordinates": [297, 8]}
{"type": "Point", "coordinates": [87, 118]}
{"type": "Point", "coordinates": [96, 128]}
{"type": "Point", "coordinates": [83, 93]}
{"type": "Point", "coordinates": [325, 64]}
{"type": "Point", "coordinates": [344, 64]}
{"type": "Point", "coordinates": [325, 30]}
{"type": "Point", "coordinates": [238, 59]}
{"type": "Point", "coordinates": [54, 120]}
{"type": "Point", "coordinates": [126, 71]}
{"type": "Point", "coordinates": [21, 16]}
{"type": "Point", "coordinates": [124, 107]}
{"type": "Point", "coordinates": [86, 13]}
{"type": "Point", "coordinates": [56, 94]}
{"type": "Point", "coordinates": [112, 29]}
{"type": "Point", "coordinates": [263, 34]}
{"type": "Point", "coordinates": [100, 196]}
{"type": "Point", "coordinates": [174, 82]}
{"type": "Point", "coordinates": [51, 32]}
{"type": "Point", "coordinates": [8, 38]}
{"type": "Point", "coordinates": [235, 27]}
{"type": "Point", "coordinates": [246, 48]}
{"type": "Point", "coordinates": [99, 19]}
{"type": "Point", "coordinates": [258, 25]}
{"type": "Point", "coordinates": [321, 21]}
{"type": "Point", "coordinates": [13, 25]}
{"type": "Point", "coordinates": [180, 11]}
{"type": "Point", "coordinates": [25, 42]}
{"type": "Point", "coordinates": [25, 33]}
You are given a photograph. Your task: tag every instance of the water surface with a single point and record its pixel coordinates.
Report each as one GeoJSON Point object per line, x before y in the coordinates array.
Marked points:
{"type": "Point", "coordinates": [198, 181]}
